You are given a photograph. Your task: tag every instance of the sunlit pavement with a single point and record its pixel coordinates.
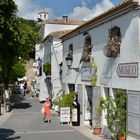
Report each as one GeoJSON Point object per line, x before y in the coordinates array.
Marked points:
{"type": "Point", "coordinates": [24, 123]}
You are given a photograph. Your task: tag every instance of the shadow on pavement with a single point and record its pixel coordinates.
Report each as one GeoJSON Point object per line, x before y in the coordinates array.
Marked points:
{"type": "Point", "coordinates": [6, 134]}
{"type": "Point", "coordinates": [22, 106]}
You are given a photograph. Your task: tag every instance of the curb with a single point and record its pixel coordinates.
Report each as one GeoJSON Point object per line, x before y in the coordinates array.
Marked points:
{"type": "Point", "coordinates": [4, 115]}
{"type": "Point", "coordinates": [85, 130]}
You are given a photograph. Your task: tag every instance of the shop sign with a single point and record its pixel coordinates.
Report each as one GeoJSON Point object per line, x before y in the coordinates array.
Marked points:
{"type": "Point", "coordinates": [129, 70]}
{"type": "Point", "coordinates": [64, 114]}
{"type": "Point", "coordinates": [35, 64]}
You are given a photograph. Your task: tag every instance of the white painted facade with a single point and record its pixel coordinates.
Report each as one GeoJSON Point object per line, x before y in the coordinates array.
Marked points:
{"type": "Point", "coordinates": [53, 55]}
{"type": "Point", "coordinates": [43, 15]}
{"type": "Point", "coordinates": [128, 20]}
{"type": "Point", "coordinates": [49, 51]}
{"type": "Point", "coordinates": [49, 28]}
{"type": "Point", "coordinates": [56, 59]}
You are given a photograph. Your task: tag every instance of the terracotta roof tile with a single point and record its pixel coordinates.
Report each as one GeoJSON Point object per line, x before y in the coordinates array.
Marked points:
{"type": "Point", "coordinates": [58, 34]}
{"type": "Point", "coordinates": [62, 21]}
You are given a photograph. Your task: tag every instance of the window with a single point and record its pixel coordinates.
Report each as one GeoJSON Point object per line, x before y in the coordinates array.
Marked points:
{"type": "Point", "coordinates": [71, 87]}
{"type": "Point", "coordinates": [45, 16]}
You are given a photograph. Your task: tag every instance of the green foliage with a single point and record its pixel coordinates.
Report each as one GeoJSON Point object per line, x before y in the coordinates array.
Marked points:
{"type": "Point", "coordinates": [58, 98]}
{"type": "Point", "coordinates": [17, 38]}
{"type": "Point", "coordinates": [94, 65]}
{"type": "Point", "coordinates": [31, 23]}
{"type": "Point", "coordinates": [19, 70]}
{"type": "Point", "coordinates": [27, 37]}
{"type": "Point", "coordinates": [47, 68]}
{"type": "Point", "coordinates": [8, 11]}
{"type": "Point", "coordinates": [93, 80]}
{"type": "Point", "coordinates": [116, 112]}
{"type": "Point", "coordinates": [67, 100]}
{"type": "Point", "coordinates": [94, 77]}
{"type": "Point", "coordinates": [99, 109]}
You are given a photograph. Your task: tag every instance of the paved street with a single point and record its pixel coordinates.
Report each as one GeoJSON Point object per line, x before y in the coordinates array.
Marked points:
{"type": "Point", "coordinates": [24, 123]}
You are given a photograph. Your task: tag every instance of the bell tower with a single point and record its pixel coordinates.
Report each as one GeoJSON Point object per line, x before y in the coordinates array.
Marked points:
{"type": "Point", "coordinates": [43, 15]}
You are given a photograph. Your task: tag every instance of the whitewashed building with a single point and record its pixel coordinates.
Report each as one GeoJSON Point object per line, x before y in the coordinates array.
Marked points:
{"type": "Point", "coordinates": [50, 49]}
{"type": "Point", "coordinates": [53, 55]}
{"type": "Point", "coordinates": [112, 39]}
{"type": "Point", "coordinates": [52, 25]}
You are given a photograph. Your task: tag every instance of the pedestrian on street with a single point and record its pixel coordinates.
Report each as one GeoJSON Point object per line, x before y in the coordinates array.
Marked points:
{"type": "Point", "coordinates": [47, 112]}
{"type": "Point", "coordinates": [21, 89]}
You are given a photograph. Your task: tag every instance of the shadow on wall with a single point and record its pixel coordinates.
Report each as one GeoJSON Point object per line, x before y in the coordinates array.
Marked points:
{"type": "Point", "coordinates": [7, 134]}
{"type": "Point", "coordinates": [108, 70]}
{"type": "Point", "coordinates": [49, 85]}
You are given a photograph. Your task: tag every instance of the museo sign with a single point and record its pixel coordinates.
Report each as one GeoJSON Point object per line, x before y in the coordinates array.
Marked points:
{"type": "Point", "coordinates": [129, 70]}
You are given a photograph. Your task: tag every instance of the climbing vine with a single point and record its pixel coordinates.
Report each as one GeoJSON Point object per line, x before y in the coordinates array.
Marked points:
{"type": "Point", "coordinates": [94, 76]}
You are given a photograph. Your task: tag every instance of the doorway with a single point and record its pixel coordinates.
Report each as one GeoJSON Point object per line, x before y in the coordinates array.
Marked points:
{"type": "Point", "coordinates": [88, 104]}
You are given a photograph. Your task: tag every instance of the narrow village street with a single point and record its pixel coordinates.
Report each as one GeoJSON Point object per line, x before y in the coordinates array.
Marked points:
{"type": "Point", "coordinates": [24, 122]}
{"type": "Point", "coordinates": [77, 63]}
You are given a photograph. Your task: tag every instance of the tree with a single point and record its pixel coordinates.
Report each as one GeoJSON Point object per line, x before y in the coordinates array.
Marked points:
{"type": "Point", "coordinates": [18, 70]}
{"type": "Point", "coordinates": [8, 11]}
{"type": "Point", "coordinates": [17, 38]}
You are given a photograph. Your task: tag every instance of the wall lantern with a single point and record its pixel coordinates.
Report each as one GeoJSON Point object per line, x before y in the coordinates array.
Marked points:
{"type": "Point", "coordinates": [69, 63]}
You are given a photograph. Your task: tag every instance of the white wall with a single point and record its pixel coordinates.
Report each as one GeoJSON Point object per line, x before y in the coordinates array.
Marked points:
{"type": "Point", "coordinates": [56, 59]}
{"type": "Point", "coordinates": [106, 70]}
{"type": "Point", "coordinates": [37, 53]}
{"type": "Point", "coordinates": [106, 66]}
{"type": "Point", "coordinates": [57, 27]}
{"type": "Point", "coordinates": [53, 53]}
{"type": "Point", "coordinates": [47, 51]}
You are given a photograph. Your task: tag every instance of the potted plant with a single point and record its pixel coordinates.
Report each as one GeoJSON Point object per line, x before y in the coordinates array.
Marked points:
{"type": "Point", "coordinates": [56, 102]}
{"type": "Point", "coordinates": [67, 101]}
{"type": "Point", "coordinates": [122, 134]}
{"type": "Point", "coordinates": [47, 68]}
{"type": "Point", "coordinates": [121, 115]}
{"type": "Point", "coordinates": [97, 129]}
{"type": "Point", "coordinates": [116, 114]}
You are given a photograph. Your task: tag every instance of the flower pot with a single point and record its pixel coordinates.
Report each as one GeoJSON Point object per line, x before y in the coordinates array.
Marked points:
{"type": "Point", "coordinates": [121, 137]}
{"type": "Point", "coordinates": [97, 130]}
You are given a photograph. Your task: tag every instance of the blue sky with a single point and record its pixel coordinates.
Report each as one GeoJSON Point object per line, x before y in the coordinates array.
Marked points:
{"type": "Point", "coordinates": [79, 9]}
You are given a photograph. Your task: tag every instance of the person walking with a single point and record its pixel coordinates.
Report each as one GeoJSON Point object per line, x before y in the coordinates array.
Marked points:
{"type": "Point", "coordinates": [21, 89]}
{"type": "Point", "coordinates": [47, 112]}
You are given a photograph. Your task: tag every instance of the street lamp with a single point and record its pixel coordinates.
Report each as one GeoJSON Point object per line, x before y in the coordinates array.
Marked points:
{"type": "Point", "coordinates": [69, 63]}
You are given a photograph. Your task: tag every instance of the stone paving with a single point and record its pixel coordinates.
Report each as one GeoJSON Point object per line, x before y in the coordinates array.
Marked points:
{"type": "Point", "coordinates": [85, 130]}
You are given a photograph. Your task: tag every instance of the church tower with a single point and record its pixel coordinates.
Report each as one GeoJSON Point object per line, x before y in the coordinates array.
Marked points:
{"type": "Point", "coordinates": [43, 15]}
